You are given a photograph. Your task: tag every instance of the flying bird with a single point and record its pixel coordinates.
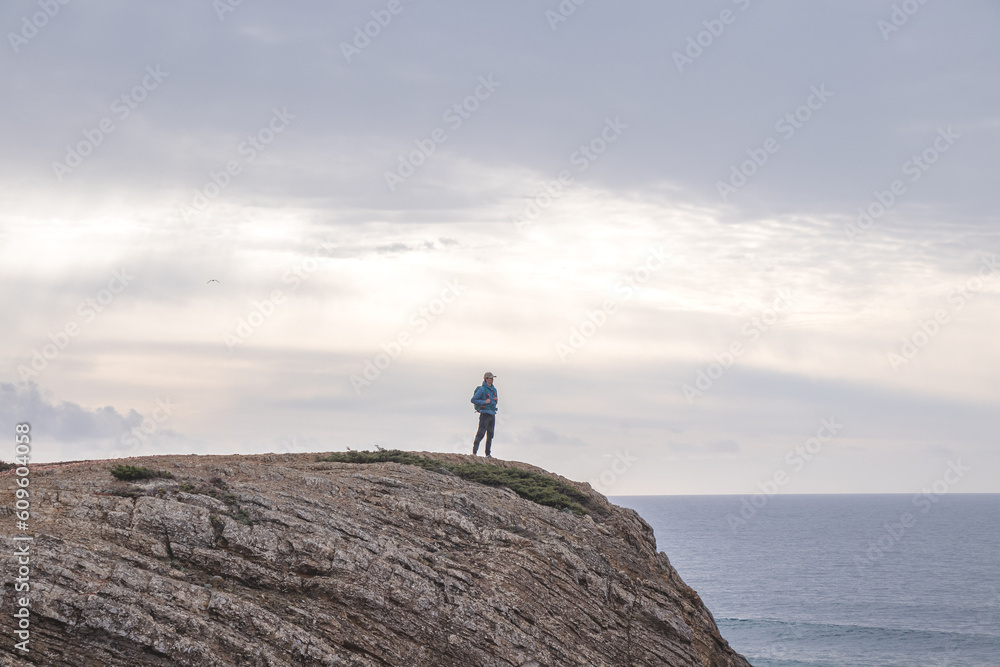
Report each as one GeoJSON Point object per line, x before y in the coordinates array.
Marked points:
{"type": "Point", "coordinates": [213, 280]}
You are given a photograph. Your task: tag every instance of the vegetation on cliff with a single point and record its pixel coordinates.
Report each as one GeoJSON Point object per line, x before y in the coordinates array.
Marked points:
{"type": "Point", "coordinates": [533, 486]}
{"type": "Point", "coordinates": [128, 473]}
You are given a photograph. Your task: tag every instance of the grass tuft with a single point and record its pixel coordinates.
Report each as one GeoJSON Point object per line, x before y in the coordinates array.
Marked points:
{"type": "Point", "coordinates": [236, 510]}
{"type": "Point", "coordinates": [131, 473]}
{"type": "Point", "coordinates": [219, 491]}
{"type": "Point", "coordinates": [533, 486]}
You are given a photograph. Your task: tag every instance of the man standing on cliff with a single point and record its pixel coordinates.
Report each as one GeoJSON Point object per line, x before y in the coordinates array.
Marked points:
{"type": "Point", "coordinates": [485, 401]}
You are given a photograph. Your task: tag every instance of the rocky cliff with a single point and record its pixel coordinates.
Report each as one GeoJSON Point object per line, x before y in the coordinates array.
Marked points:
{"type": "Point", "coordinates": [284, 560]}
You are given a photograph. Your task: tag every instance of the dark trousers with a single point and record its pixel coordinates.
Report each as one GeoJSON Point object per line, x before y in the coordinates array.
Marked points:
{"type": "Point", "coordinates": [486, 424]}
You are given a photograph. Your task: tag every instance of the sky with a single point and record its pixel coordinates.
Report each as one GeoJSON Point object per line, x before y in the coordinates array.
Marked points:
{"type": "Point", "coordinates": [729, 247]}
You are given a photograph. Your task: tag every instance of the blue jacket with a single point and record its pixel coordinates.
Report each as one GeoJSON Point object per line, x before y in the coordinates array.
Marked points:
{"type": "Point", "coordinates": [479, 399]}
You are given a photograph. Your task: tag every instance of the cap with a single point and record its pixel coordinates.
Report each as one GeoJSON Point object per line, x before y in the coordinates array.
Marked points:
{"type": "Point", "coordinates": [488, 375]}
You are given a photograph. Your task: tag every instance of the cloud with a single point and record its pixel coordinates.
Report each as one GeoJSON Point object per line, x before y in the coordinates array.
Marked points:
{"type": "Point", "coordinates": [64, 421]}
{"type": "Point", "coordinates": [722, 446]}
{"type": "Point", "coordinates": [392, 248]}
{"type": "Point", "coordinates": [387, 255]}
{"type": "Point", "coordinates": [711, 447]}
{"type": "Point", "coordinates": [542, 435]}
{"type": "Point", "coordinates": [67, 429]}
{"type": "Point", "coordinates": [354, 121]}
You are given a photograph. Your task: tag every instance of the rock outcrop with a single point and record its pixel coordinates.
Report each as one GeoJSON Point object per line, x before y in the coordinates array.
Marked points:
{"type": "Point", "coordinates": [282, 560]}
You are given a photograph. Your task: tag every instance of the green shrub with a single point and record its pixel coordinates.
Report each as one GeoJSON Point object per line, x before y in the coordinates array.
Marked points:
{"type": "Point", "coordinates": [131, 473]}
{"type": "Point", "coordinates": [533, 486]}
{"type": "Point", "coordinates": [6, 466]}
{"type": "Point", "coordinates": [125, 493]}
{"type": "Point", "coordinates": [383, 456]}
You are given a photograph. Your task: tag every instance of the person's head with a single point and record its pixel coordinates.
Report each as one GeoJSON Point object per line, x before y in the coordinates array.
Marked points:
{"type": "Point", "coordinates": [489, 378]}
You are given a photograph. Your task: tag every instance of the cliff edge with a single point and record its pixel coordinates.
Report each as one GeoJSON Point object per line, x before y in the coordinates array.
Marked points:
{"type": "Point", "coordinates": [284, 560]}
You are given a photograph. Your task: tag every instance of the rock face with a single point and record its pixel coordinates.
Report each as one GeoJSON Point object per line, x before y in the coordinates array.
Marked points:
{"type": "Point", "coordinates": [281, 560]}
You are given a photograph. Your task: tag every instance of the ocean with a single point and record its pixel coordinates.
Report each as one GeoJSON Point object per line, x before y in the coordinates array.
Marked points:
{"type": "Point", "coordinates": [841, 580]}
